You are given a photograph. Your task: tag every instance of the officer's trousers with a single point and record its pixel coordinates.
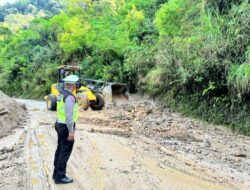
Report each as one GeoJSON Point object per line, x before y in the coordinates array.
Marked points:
{"type": "Point", "coordinates": [63, 151]}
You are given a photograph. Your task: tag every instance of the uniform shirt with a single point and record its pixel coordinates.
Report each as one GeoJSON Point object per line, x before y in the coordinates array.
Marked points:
{"type": "Point", "coordinates": [69, 110]}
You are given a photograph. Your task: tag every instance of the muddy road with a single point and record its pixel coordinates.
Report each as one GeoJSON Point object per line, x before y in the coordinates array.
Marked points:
{"type": "Point", "coordinates": [135, 144]}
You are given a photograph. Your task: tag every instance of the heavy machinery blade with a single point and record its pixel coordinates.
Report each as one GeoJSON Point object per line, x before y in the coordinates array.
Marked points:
{"type": "Point", "coordinates": [114, 91]}
{"type": "Point", "coordinates": [110, 90]}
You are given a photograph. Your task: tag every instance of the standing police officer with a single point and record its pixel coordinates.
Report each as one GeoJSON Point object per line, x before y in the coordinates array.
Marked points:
{"type": "Point", "coordinates": [67, 115]}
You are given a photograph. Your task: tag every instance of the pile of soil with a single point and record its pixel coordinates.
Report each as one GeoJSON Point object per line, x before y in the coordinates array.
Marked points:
{"type": "Point", "coordinates": [12, 114]}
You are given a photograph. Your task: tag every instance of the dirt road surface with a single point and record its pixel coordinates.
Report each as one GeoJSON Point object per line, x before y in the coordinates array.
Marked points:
{"type": "Point", "coordinates": [135, 144]}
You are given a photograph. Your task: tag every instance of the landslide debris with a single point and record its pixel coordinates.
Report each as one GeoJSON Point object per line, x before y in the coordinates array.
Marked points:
{"type": "Point", "coordinates": [217, 148]}
{"type": "Point", "coordinates": [11, 114]}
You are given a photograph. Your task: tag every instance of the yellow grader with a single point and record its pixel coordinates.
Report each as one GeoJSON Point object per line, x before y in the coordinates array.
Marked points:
{"type": "Point", "coordinates": [88, 92]}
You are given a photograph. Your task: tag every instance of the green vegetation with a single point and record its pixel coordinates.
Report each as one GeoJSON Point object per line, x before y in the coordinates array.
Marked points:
{"type": "Point", "coordinates": [193, 55]}
{"type": "Point", "coordinates": [46, 8]}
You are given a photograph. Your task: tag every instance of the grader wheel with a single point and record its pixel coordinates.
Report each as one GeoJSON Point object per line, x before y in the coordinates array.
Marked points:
{"type": "Point", "coordinates": [82, 100]}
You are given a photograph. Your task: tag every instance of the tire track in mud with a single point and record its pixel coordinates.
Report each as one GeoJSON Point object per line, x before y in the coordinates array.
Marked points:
{"type": "Point", "coordinates": [88, 163]}
{"type": "Point", "coordinates": [149, 173]}
{"type": "Point", "coordinates": [37, 170]}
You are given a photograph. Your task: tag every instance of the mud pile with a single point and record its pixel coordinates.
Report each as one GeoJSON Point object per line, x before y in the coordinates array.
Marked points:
{"type": "Point", "coordinates": [217, 148]}
{"type": "Point", "coordinates": [11, 114]}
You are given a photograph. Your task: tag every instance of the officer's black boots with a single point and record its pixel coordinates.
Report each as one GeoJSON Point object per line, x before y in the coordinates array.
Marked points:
{"type": "Point", "coordinates": [64, 180]}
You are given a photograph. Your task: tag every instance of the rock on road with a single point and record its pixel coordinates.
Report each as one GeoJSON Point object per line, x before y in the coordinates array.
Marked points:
{"type": "Point", "coordinates": [130, 145]}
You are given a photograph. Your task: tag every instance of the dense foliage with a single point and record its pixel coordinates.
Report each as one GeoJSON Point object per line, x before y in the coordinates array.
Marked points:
{"type": "Point", "coordinates": [35, 7]}
{"type": "Point", "coordinates": [192, 54]}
